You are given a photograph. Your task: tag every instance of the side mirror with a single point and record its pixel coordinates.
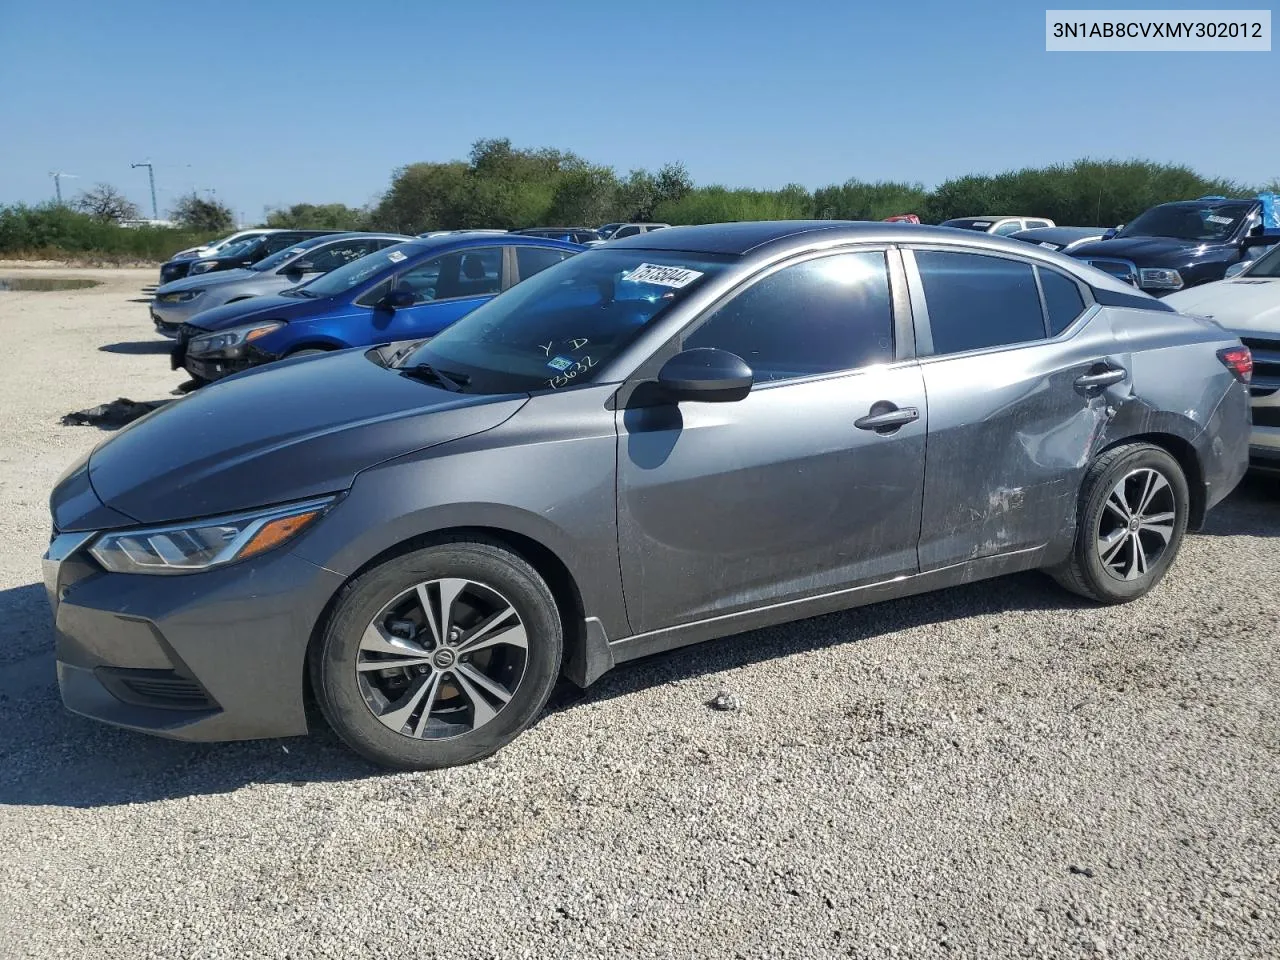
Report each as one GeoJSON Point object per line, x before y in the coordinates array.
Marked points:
{"type": "Point", "coordinates": [1257, 237]}
{"type": "Point", "coordinates": [397, 300]}
{"type": "Point", "coordinates": [706, 375]}
{"type": "Point", "coordinates": [1110, 234]}
{"type": "Point", "coordinates": [1236, 269]}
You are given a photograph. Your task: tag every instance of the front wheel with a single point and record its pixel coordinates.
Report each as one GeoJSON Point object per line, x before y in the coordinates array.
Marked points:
{"type": "Point", "coordinates": [438, 657]}
{"type": "Point", "coordinates": [1130, 524]}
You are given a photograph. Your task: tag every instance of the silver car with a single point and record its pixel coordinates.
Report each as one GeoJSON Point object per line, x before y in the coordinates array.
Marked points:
{"type": "Point", "coordinates": [665, 439]}
{"type": "Point", "coordinates": [177, 302]}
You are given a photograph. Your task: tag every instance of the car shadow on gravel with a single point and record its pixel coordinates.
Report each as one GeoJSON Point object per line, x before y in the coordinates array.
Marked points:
{"type": "Point", "coordinates": [52, 757]}
{"type": "Point", "coordinates": [1252, 510]}
{"type": "Point", "coordinates": [1021, 592]}
{"type": "Point", "coordinates": [139, 347]}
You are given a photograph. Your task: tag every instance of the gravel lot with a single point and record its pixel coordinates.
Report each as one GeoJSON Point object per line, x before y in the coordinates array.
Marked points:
{"type": "Point", "coordinates": [997, 770]}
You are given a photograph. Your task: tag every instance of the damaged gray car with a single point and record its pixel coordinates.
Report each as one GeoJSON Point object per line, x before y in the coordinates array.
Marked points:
{"type": "Point", "coordinates": [666, 439]}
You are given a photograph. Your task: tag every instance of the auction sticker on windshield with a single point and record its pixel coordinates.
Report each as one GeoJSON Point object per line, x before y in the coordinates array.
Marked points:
{"type": "Point", "coordinates": [661, 276]}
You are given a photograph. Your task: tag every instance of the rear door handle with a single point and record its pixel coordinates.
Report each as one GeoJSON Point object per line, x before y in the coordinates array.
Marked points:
{"type": "Point", "coordinates": [886, 417]}
{"type": "Point", "coordinates": [1101, 375]}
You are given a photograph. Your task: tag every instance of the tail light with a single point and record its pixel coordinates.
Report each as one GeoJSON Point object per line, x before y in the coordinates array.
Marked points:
{"type": "Point", "coordinates": [1239, 361]}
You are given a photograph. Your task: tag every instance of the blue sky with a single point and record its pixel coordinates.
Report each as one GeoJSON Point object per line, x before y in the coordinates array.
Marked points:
{"type": "Point", "coordinates": [272, 103]}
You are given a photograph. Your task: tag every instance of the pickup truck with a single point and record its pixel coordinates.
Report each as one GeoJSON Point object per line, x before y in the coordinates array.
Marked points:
{"type": "Point", "coordinates": [1175, 246]}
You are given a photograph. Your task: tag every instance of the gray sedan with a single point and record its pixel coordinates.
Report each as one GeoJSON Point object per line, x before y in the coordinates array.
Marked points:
{"type": "Point", "coordinates": [665, 439]}
{"type": "Point", "coordinates": [176, 303]}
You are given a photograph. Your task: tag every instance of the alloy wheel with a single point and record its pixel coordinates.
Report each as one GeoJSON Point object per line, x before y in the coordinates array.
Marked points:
{"type": "Point", "coordinates": [442, 659]}
{"type": "Point", "coordinates": [1136, 524]}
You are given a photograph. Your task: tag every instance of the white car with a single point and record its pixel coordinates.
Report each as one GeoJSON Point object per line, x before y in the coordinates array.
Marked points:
{"type": "Point", "coordinates": [1000, 226]}
{"type": "Point", "coordinates": [210, 249]}
{"type": "Point", "coordinates": [1248, 305]}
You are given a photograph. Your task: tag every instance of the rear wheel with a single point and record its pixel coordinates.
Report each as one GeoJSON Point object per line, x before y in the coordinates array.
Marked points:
{"type": "Point", "coordinates": [438, 657]}
{"type": "Point", "coordinates": [1131, 522]}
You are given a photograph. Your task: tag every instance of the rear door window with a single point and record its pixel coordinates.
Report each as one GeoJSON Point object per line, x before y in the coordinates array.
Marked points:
{"type": "Point", "coordinates": [977, 301]}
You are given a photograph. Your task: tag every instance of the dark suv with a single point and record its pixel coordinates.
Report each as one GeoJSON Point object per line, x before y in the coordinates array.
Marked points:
{"type": "Point", "coordinates": [1183, 244]}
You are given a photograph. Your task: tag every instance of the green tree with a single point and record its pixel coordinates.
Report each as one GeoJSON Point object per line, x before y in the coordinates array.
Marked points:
{"type": "Point", "coordinates": [331, 216]}
{"type": "Point", "coordinates": [198, 213]}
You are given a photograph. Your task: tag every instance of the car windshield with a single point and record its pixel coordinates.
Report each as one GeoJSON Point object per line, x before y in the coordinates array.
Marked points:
{"type": "Point", "coordinates": [1210, 221]}
{"type": "Point", "coordinates": [559, 327]}
{"type": "Point", "coordinates": [281, 257]}
{"type": "Point", "coordinates": [239, 248]}
{"type": "Point", "coordinates": [357, 271]}
{"type": "Point", "coordinates": [1267, 265]}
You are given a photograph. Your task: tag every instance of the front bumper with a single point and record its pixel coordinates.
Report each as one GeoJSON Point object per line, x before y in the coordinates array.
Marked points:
{"type": "Point", "coordinates": [176, 314]}
{"type": "Point", "coordinates": [212, 367]}
{"type": "Point", "coordinates": [163, 328]}
{"type": "Point", "coordinates": [218, 655]}
{"type": "Point", "coordinates": [1264, 441]}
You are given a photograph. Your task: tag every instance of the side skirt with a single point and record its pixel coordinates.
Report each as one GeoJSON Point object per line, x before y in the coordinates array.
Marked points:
{"type": "Point", "coordinates": [671, 638]}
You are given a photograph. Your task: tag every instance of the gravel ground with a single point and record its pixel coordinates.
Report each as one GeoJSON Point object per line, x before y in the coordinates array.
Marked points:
{"type": "Point", "coordinates": [997, 770]}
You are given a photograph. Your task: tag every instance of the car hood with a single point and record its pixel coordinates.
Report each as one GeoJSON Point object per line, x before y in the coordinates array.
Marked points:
{"type": "Point", "coordinates": [272, 307]}
{"type": "Point", "coordinates": [204, 281]}
{"type": "Point", "coordinates": [282, 432]}
{"type": "Point", "coordinates": [1244, 305]}
{"type": "Point", "coordinates": [1150, 251]}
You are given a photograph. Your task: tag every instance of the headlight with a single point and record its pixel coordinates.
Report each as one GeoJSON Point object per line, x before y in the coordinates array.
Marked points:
{"type": "Point", "coordinates": [202, 267]}
{"type": "Point", "coordinates": [201, 544]}
{"type": "Point", "coordinates": [1159, 279]}
{"type": "Point", "coordinates": [182, 296]}
{"type": "Point", "coordinates": [230, 339]}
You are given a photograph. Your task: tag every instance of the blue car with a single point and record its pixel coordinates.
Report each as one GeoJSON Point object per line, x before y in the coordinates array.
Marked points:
{"type": "Point", "coordinates": [409, 291]}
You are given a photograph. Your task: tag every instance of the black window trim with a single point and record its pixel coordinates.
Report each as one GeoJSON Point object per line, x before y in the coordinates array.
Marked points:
{"type": "Point", "coordinates": [920, 305]}
{"type": "Point", "coordinates": [904, 343]}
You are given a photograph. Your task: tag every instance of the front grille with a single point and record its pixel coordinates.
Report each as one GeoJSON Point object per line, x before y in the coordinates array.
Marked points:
{"type": "Point", "coordinates": [1124, 270]}
{"type": "Point", "coordinates": [154, 688]}
{"type": "Point", "coordinates": [1266, 364]}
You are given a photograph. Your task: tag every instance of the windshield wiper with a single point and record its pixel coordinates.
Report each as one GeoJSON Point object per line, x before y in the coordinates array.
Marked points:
{"type": "Point", "coordinates": [429, 374]}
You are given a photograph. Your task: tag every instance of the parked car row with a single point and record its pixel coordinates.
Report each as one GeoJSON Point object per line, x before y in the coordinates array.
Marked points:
{"type": "Point", "coordinates": [605, 453]}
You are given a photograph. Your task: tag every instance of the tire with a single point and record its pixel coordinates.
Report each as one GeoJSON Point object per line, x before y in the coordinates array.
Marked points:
{"type": "Point", "coordinates": [381, 617]}
{"type": "Point", "coordinates": [1104, 564]}
{"type": "Point", "coordinates": [305, 352]}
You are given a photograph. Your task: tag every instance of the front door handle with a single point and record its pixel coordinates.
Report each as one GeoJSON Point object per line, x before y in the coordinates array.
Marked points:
{"type": "Point", "coordinates": [1101, 375]}
{"type": "Point", "coordinates": [886, 417]}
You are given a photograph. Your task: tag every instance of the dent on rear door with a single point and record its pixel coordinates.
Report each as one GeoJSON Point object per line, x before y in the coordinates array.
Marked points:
{"type": "Point", "coordinates": [1010, 436]}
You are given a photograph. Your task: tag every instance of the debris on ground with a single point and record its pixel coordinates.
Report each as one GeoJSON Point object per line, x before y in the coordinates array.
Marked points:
{"type": "Point", "coordinates": [117, 413]}
{"type": "Point", "coordinates": [724, 700]}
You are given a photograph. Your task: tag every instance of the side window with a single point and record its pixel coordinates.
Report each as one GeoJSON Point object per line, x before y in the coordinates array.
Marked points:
{"type": "Point", "coordinates": [421, 280]}
{"type": "Point", "coordinates": [280, 241]}
{"type": "Point", "coordinates": [1062, 300]}
{"type": "Point", "coordinates": [1007, 227]}
{"type": "Point", "coordinates": [979, 301]}
{"type": "Point", "coordinates": [531, 260]}
{"type": "Point", "coordinates": [336, 254]}
{"type": "Point", "coordinates": [820, 316]}
{"type": "Point", "coordinates": [630, 230]}
{"type": "Point", "coordinates": [474, 272]}
{"type": "Point", "coordinates": [1038, 223]}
